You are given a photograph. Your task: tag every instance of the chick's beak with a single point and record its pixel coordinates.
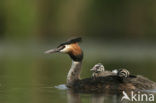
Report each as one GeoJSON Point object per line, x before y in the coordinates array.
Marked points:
{"type": "Point", "coordinates": [93, 69]}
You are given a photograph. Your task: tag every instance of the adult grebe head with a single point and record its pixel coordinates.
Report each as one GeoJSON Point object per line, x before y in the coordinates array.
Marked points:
{"type": "Point", "coordinates": [70, 47]}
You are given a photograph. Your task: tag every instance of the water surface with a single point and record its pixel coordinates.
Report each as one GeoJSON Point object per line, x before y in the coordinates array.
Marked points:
{"type": "Point", "coordinates": [27, 75]}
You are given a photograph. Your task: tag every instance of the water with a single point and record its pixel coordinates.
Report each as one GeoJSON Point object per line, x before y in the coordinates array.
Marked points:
{"type": "Point", "coordinates": [29, 76]}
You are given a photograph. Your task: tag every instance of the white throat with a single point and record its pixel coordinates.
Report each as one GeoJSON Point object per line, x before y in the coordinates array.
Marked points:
{"type": "Point", "coordinates": [74, 72]}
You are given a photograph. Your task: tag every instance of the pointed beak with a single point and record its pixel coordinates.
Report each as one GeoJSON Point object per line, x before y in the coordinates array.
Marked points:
{"type": "Point", "coordinates": [51, 51]}
{"type": "Point", "coordinates": [55, 50]}
{"type": "Point", "coordinates": [93, 69]}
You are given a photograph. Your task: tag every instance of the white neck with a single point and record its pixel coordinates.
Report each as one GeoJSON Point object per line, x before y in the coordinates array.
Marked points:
{"type": "Point", "coordinates": [74, 72]}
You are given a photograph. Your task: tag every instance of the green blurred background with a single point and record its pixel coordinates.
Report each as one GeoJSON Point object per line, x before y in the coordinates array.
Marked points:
{"type": "Point", "coordinates": [117, 33]}
{"type": "Point", "coordinates": [50, 19]}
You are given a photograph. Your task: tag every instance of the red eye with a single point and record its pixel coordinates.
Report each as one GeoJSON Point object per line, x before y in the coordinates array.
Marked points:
{"type": "Point", "coordinates": [63, 46]}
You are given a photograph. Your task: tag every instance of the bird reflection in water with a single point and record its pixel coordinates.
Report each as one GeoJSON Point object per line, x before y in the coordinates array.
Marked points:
{"type": "Point", "coordinates": [73, 97]}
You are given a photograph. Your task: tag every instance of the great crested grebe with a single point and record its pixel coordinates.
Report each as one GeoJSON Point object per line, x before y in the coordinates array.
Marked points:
{"type": "Point", "coordinates": [101, 84]}
{"type": "Point", "coordinates": [99, 71]}
{"type": "Point", "coordinates": [123, 73]}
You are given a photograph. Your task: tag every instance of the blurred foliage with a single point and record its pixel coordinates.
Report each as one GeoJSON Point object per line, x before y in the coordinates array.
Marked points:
{"type": "Point", "coordinates": [107, 19]}
{"type": "Point", "coordinates": [28, 76]}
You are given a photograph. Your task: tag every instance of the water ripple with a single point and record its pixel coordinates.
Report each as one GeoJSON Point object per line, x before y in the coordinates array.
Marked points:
{"type": "Point", "coordinates": [61, 87]}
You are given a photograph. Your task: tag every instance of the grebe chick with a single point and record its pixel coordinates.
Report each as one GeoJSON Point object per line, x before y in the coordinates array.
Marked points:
{"type": "Point", "coordinates": [99, 71]}
{"type": "Point", "coordinates": [123, 73]}
{"type": "Point", "coordinates": [101, 84]}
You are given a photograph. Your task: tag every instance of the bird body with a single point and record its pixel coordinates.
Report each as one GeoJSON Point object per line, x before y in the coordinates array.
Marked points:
{"type": "Point", "coordinates": [102, 74]}
{"type": "Point", "coordinates": [100, 84]}
{"type": "Point", "coordinates": [99, 71]}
